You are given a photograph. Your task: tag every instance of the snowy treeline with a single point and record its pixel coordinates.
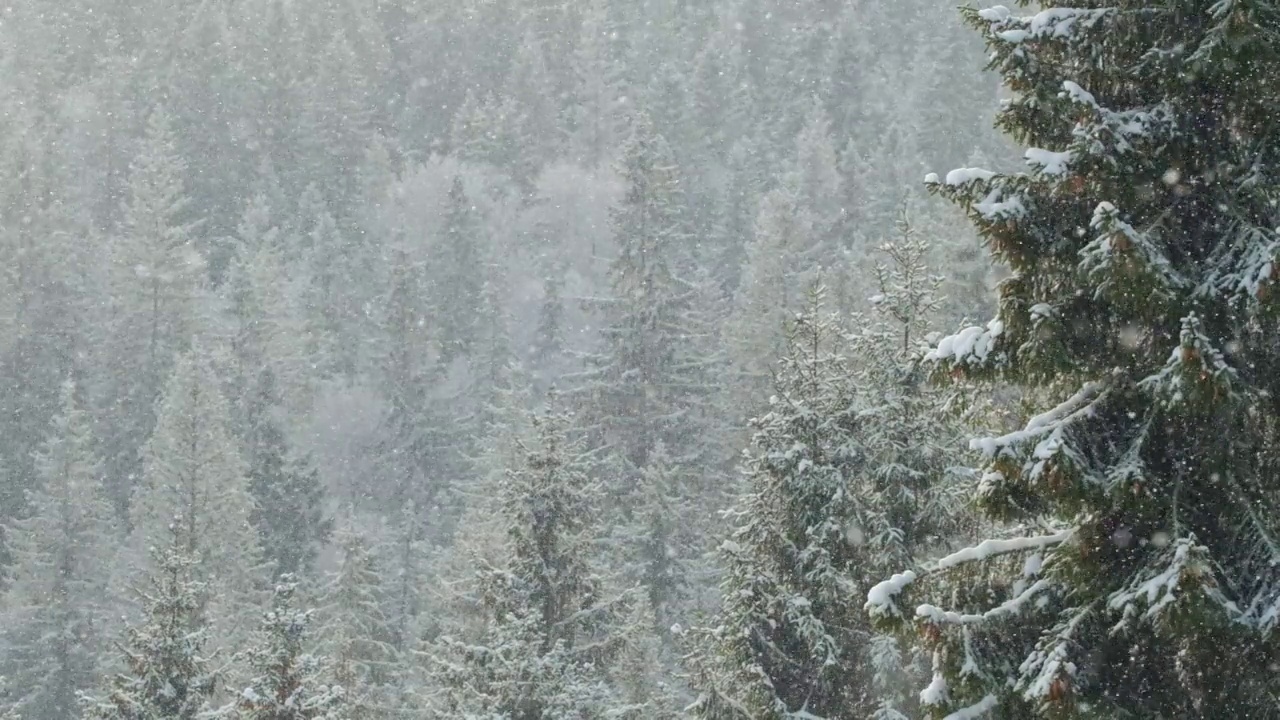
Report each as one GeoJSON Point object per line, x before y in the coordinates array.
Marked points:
{"type": "Point", "coordinates": [580, 359]}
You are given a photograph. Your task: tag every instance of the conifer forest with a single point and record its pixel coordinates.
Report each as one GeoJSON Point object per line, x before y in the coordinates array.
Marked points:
{"type": "Point", "coordinates": [639, 360]}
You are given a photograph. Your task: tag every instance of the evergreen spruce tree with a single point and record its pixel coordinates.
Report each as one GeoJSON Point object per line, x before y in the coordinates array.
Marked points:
{"type": "Point", "coordinates": [405, 550]}
{"type": "Point", "coordinates": [770, 292]}
{"type": "Point", "coordinates": [908, 434]}
{"type": "Point", "coordinates": [193, 470]}
{"type": "Point", "coordinates": [649, 383]}
{"type": "Point", "coordinates": [644, 377]}
{"type": "Point", "coordinates": [598, 88]}
{"type": "Point", "coordinates": [847, 477]}
{"type": "Point", "coordinates": [288, 497]}
{"type": "Point", "coordinates": [355, 633]}
{"type": "Point", "coordinates": [57, 610]}
{"type": "Point", "coordinates": [458, 276]}
{"type": "Point", "coordinates": [663, 543]}
{"type": "Point", "coordinates": [156, 271]}
{"type": "Point", "coordinates": [550, 633]}
{"type": "Point", "coordinates": [417, 456]}
{"type": "Point", "coordinates": [157, 261]}
{"type": "Point", "coordinates": [166, 672]}
{"type": "Point", "coordinates": [270, 333]}
{"type": "Point", "coordinates": [816, 176]}
{"type": "Point", "coordinates": [287, 681]}
{"type": "Point", "coordinates": [1143, 248]}
{"type": "Point", "coordinates": [548, 341]}
{"type": "Point", "coordinates": [783, 643]}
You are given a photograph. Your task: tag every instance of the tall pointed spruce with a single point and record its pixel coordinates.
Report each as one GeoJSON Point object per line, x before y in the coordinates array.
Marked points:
{"type": "Point", "coordinates": [1144, 252]}
{"type": "Point", "coordinates": [355, 632]}
{"type": "Point", "coordinates": [783, 643]}
{"type": "Point", "coordinates": [56, 611]}
{"type": "Point", "coordinates": [846, 478]}
{"type": "Point", "coordinates": [286, 682]}
{"type": "Point", "coordinates": [550, 636]}
{"type": "Point", "coordinates": [649, 382]}
{"type": "Point", "coordinates": [193, 470]}
{"type": "Point", "coordinates": [167, 673]}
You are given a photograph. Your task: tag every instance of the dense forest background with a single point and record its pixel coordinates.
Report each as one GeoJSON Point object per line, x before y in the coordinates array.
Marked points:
{"type": "Point", "coordinates": [287, 279]}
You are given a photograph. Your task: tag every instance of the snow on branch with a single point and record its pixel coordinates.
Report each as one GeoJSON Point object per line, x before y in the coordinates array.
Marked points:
{"type": "Point", "coordinates": [1000, 205]}
{"type": "Point", "coordinates": [1195, 368]}
{"type": "Point", "coordinates": [1046, 665]}
{"type": "Point", "coordinates": [1117, 245]}
{"type": "Point", "coordinates": [1048, 161]}
{"type": "Point", "coordinates": [1078, 405]}
{"type": "Point", "coordinates": [1004, 546]}
{"type": "Point", "coordinates": [964, 176]}
{"type": "Point", "coordinates": [1012, 606]}
{"type": "Point", "coordinates": [971, 345]}
{"type": "Point", "coordinates": [1078, 94]}
{"type": "Point", "coordinates": [880, 598]}
{"type": "Point", "coordinates": [975, 711]}
{"type": "Point", "coordinates": [1051, 24]}
{"type": "Point", "coordinates": [1160, 589]}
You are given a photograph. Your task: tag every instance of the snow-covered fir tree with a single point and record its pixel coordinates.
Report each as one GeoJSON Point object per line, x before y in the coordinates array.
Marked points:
{"type": "Point", "coordinates": [908, 435]}
{"type": "Point", "coordinates": [270, 332]}
{"type": "Point", "coordinates": [551, 630]}
{"type": "Point", "coordinates": [156, 271]}
{"type": "Point", "coordinates": [354, 632]}
{"type": "Point", "coordinates": [1143, 248]}
{"type": "Point", "coordinates": [783, 643]}
{"type": "Point", "coordinates": [768, 294]}
{"type": "Point", "coordinates": [167, 673]}
{"type": "Point", "coordinates": [417, 453]}
{"type": "Point", "coordinates": [57, 612]}
{"type": "Point", "coordinates": [847, 476]}
{"type": "Point", "coordinates": [193, 470]}
{"type": "Point", "coordinates": [663, 537]}
{"type": "Point", "coordinates": [288, 683]}
{"type": "Point", "coordinates": [457, 276]}
{"type": "Point", "coordinates": [651, 379]}
{"type": "Point", "coordinates": [288, 497]}
{"type": "Point", "coordinates": [157, 261]}
{"type": "Point", "coordinates": [635, 382]}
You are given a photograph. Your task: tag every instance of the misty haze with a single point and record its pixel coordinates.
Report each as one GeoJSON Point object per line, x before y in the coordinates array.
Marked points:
{"type": "Point", "coordinates": [639, 360]}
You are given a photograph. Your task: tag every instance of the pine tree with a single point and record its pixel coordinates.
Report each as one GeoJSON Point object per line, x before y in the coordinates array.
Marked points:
{"type": "Point", "coordinates": [651, 380]}
{"type": "Point", "coordinates": [156, 272]}
{"type": "Point", "coordinates": [645, 376]}
{"type": "Point", "coordinates": [270, 333]}
{"type": "Point", "coordinates": [909, 431]}
{"type": "Point", "coordinates": [354, 630]}
{"type": "Point", "coordinates": [288, 497]}
{"type": "Point", "coordinates": [193, 470]}
{"type": "Point", "coordinates": [767, 296]}
{"type": "Point", "coordinates": [156, 257]}
{"type": "Point", "coordinates": [598, 90]}
{"type": "Point", "coordinates": [458, 276]}
{"type": "Point", "coordinates": [405, 550]}
{"type": "Point", "coordinates": [783, 643]}
{"type": "Point", "coordinates": [548, 340]}
{"type": "Point", "coordinates": [847, 478]}
{"type": "Point", "coordinates": [1142, 245]}
{"type": "Point", "coordinates": [57, 611]}
{"type": "Point", "coordinates": [663, 543]}
{"type": "Point", "coordinates": [340, 282]}
{"type": "Point", "coordinates": [287, 681]}
{"type": "Point", "coordinates": [417, 460]}
{"type": "Point", "coordinates": [550, 634]}
{"type": "Point", "coordinates": [816, 176]}
{"type": "Point", "coordinates": [167, 674]}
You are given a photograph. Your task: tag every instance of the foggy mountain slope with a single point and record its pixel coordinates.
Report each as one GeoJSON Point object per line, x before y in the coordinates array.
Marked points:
{"type": "Point", "coordinates": [457, 312]}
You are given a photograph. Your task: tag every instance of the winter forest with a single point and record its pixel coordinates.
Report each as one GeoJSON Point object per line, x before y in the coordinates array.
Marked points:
{"type": "Point", "coordinates": [639, 359]}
